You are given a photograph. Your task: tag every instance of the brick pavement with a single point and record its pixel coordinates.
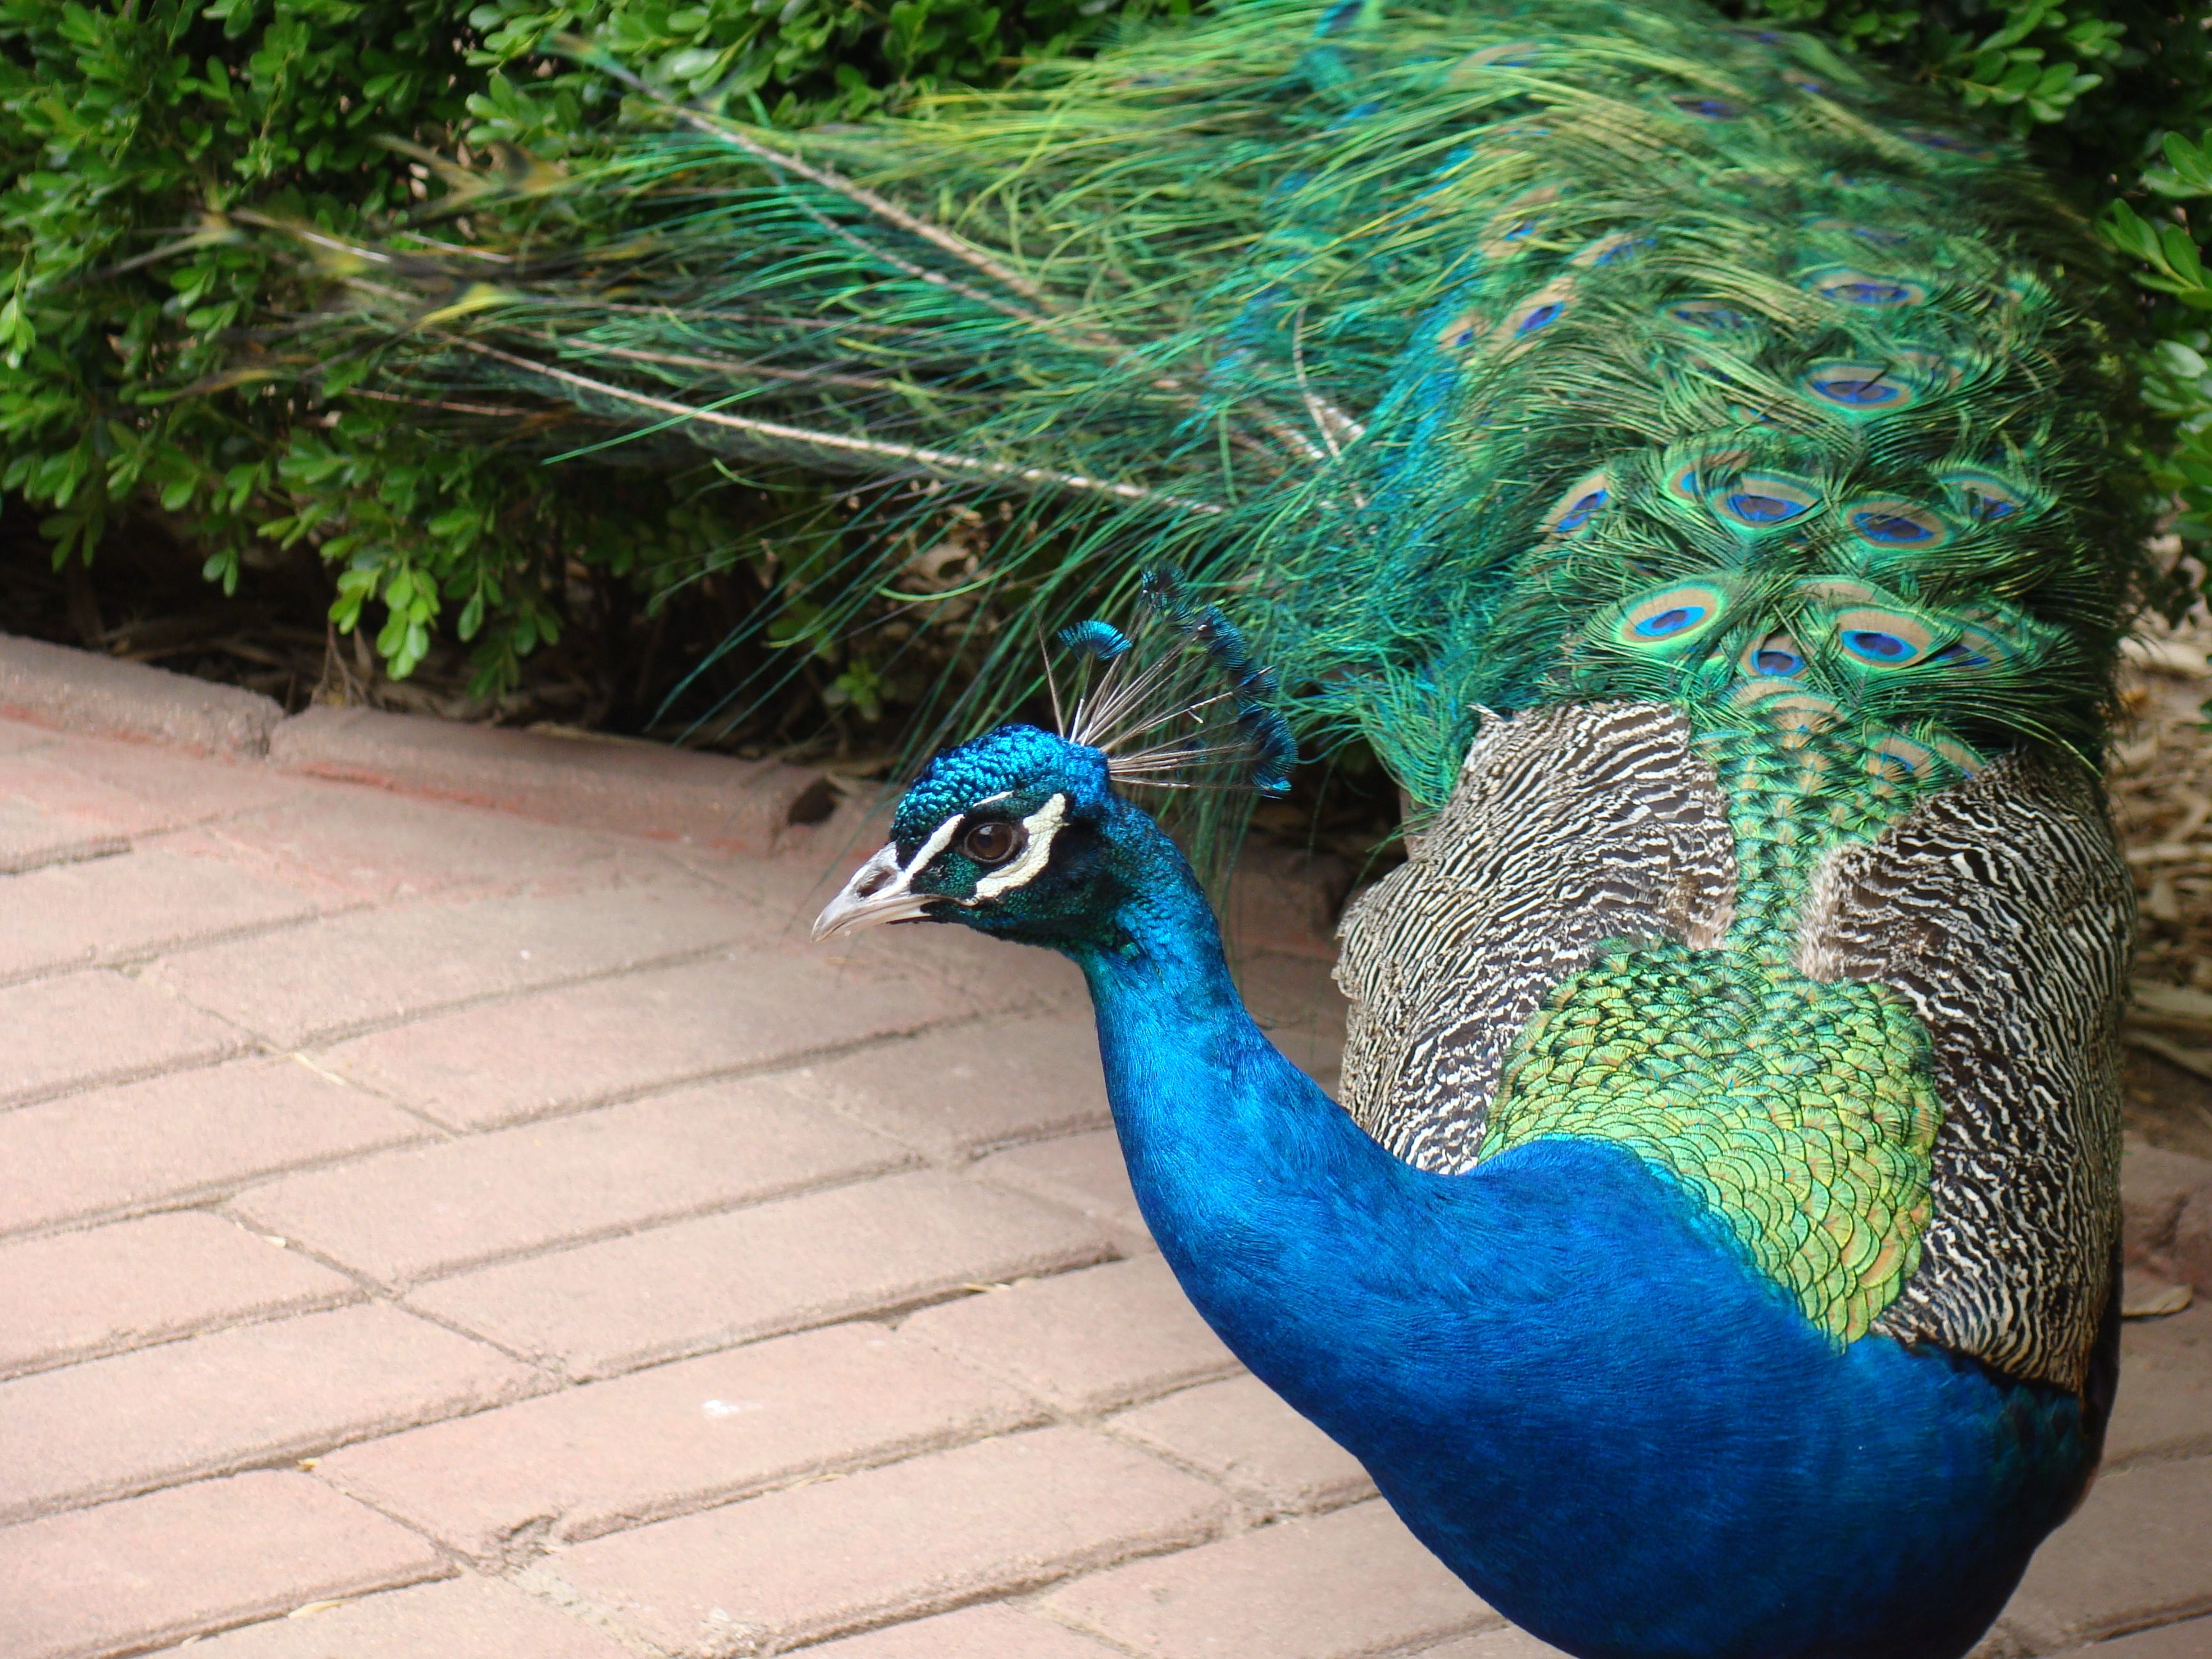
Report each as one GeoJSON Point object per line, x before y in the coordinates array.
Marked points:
{"type": "Point", "coordinates": [425, 1231]}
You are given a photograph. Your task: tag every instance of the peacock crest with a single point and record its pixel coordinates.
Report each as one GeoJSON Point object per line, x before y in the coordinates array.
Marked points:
{"type": "Point", "coordinates": [1183, 704]}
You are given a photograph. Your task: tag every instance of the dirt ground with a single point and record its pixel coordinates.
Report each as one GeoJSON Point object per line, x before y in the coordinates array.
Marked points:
{"type": "Point", "coordinates": [2161, 780]}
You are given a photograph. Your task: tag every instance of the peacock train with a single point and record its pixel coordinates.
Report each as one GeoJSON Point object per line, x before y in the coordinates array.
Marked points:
{"type": "Point", "coordinates": [1694, 468]}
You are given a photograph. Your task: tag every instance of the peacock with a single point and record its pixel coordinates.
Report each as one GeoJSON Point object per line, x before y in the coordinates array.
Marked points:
{"type": "Point", "coordinates": [1698, 472]}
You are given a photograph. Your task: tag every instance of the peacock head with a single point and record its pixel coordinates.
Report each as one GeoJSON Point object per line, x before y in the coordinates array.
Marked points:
{"type": "Point", "coordinates": [1006, 833]}
{"type": "Point", "coordinates": [1021, 832]}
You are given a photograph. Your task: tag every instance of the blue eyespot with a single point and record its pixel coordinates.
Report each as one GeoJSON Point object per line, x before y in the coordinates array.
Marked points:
{"type": "Point", "coordinates": [1859, 394]}
{"type": "Point", "coordinates": [1613, 249]}
{"type": "Point", "coordinates": [1539, 317]}
{"type": "Point", "coordinates": [1672, 622]}
{"type": "Point", "coordinates": [1989, 506]}
{"type": "Point", "coordinates": [1711, 109]}
{"type": "Point", "coordinates": [1580, 512]}
{"type": "Point", "coordinates": [1763, 509]}
{"type": "Point", "coordinates": [1877, 647]}
{"type": "Point", "coordinates": [1777, 665]}
{"type": "Point", "coordinates": [1892, 527]}
{"type": "Point", "coordinates": [1959, 654]}
{"type": "Point", "coordinates": [1465, 336]}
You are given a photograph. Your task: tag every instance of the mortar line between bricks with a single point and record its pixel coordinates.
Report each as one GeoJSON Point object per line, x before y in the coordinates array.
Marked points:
{"type": "Point", "coordinates": [886, 1314]}
{"type": "Point", "coordinates": [129, 1074]}
{"type": "Point", "coordinates": [1033, 1582]}
{"type": "Point", "coordinates": [158, 1069]}
{"type": "Point", "coordinates": [217, 1326]}
{"type": "Point", "coordinates": [797, 1188]}
{"type": "Point", "coordinates": [1033, 1605]}
{"type": "Point", "coordinates": [1252, 1514]}
{"type": "Point", "coordinates": [439, 1132]}
{"type": "Point", "coordinates": [137, 955]}
{"type": "Point", "coordinates": [371, 1291]}
{"type": "Point", "coordinates": [815, 1474]}
{"type": "Point", "coordinates": [2180, 1614]}
{"type": "Point", "coordinates": [285, 1455]}
{"type": "Point", "coordinates": [94, 847]}
{"type": "Point", "coordinates": [223, 1623]}
{"type": "Point", "coordinates": [539, 1584]}
{"type": "Point", "coordinates": [77, 852]}
{"type": "Point", "coordinates": [204, 1196]}
{"type": "Point", "coordinates": [632, 1094]}
{"type": "Point", "coordinates": [1032, 1600]}
{"type": "Point", "coordinates": [325, 1036]}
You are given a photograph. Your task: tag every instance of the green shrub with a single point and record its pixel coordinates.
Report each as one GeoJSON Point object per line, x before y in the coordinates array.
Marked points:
{"type": "Point", "coordinates": [119, 393]}
{"type": "Point", "coordinates": [123, 127]}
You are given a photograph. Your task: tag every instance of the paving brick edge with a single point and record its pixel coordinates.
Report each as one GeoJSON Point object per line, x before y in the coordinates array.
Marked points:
{"type": "Point", "coordinates": [624, 786]}
{"type": "Point", "coordinates": [98, 695]}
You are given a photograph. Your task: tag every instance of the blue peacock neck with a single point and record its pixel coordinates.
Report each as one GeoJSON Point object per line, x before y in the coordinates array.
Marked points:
{"type": "Point", "coordinates": [1259, 1188]}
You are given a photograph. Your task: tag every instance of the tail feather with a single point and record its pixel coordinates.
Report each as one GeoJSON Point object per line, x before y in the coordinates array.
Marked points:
{"type": "Point", "coordinates": [1440, 345]}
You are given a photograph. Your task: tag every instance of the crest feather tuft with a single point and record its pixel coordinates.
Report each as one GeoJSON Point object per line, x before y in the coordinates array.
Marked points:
{"type": "Point", "coordinates": [1188, 682]}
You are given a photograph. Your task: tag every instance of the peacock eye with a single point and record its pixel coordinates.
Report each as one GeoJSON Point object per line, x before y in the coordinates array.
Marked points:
{"type": "Point", "coordinates": [993, 842]}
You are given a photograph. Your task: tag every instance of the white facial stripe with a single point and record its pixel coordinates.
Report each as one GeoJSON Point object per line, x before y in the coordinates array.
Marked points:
{"type": "Point", "coordinates": [1041, 826]}
{"type": "Point", "coordinates": [939, 839]}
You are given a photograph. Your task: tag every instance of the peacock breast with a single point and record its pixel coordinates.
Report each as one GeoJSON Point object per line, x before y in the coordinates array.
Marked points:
{"type": "Point", "coordinates": [1802, 1114]}
{"type": "Point", "coordinates": [1865, 1017]}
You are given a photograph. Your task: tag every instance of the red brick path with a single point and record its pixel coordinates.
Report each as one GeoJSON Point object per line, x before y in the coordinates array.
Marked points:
{"type": "Point", "coordinates": [428, 1234]}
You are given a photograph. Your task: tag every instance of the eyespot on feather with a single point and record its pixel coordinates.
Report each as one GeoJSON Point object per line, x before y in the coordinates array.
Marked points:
{"type": "Point", "coordinates": [1930, 371]}
{"type": "Point", "coordinates": [1883, 639]}
{"type": "Point", "coordinates": [1856, 288]}
{"type": "Point", "coordinates": [1775, 657]}
{"type": "Point", "coordinates": [1615, 249]}
{"type": "Point", "coordinates": [1985, 498]}
{"type": "Point", "coordinates": [1516, 223]}
{"type": "Point", "coordinates": [1975, 649]}
{"type": "Point", "coordinates": [1760, 501]}
{"type": "Point", "coordinates": [1536, 313]}
{"type": "Point", "coordinates": [1896, 759]}
{"type": "Point", "coordinates": [1675, 616]}
{"type": "Point", "coordinates": [1858, 388]}
{"type": "Point", "coordinates": [1787, 705]}
{"type": "Point", "coordinates": [1959, 755]}
{"type": "Point", "coordinates": [1581, 502]}
{"type": "Point", "coordinates": [1688, 481]}
{"type": "Point", "coordinates": [1892, 523]}
{"type": "Point", "coordinates": [1461, 331]}
{"type": "Point", "coordinates": [1706, 108]}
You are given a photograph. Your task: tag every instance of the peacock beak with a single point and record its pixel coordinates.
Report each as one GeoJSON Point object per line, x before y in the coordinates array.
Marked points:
{"type": "Point", "coordinates": [880, 890]}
